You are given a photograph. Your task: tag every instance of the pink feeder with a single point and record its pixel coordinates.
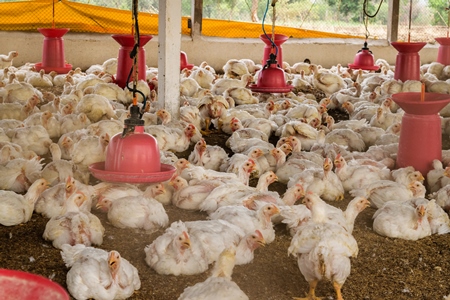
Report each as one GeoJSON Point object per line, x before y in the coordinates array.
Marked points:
{"type": "Point", "coordinates": [407, 64]}
{"type": "Point", "coordinates": [364, 60]}
{"type": "Point", "coordinates": [420, 136]}
{"type": "Point", "coordinates": [184, 62]}
{"type": "Point", "coordinates": [132, 156]}
{"type": "Point", "coordinates": [53, 51]}
{"type": "Point", "coordinates": [444, 50]}
{"type": "Point", "coordinates": [271, 79]}
{"type": "Point", "coordinates": [279, 39]}
{"type": "Point", "coordinates": [125, 62]}
{"type": "Point", "coordinates": [27, 286]}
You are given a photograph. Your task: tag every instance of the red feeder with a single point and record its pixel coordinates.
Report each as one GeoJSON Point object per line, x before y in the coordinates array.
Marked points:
{"type": "Point", "coordinates": [420, 136]}
{"type": "Point", "coordinates": [132, 156]}
{"type": "Point", "coordinates": [443, 51]}
{"type": "Point", "coordinates": [271, 79]}
{"type": "Point", "coordinates": [278, 40]}
{"type": "Point", "coordinates": [184, 62]}
{"type": "Point", "coordinates": [53, 51]}
{"type": "Point", "coordinates": [364, 60]}
{"type": "Point", "coordinates": [407, 64]}
{"type": "Point", "coordinates": [125, 62]}
{"type": "Point", "coordinates": [27, 286]}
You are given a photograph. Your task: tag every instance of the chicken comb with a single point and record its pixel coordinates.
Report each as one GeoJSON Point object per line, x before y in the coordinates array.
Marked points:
{"type": "Point", "coordinates": [258, 233]}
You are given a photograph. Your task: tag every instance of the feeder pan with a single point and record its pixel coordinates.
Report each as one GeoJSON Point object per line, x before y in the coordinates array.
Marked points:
{"type": "Point", "coordinates": [27, 286]}
{"type": "Point", "coordinates": [364, 60]}
{"type": "Point", "coordinates": [53, 51]}
{"type": "Point", "coordinates": [278, 40]}
{"type": "Point", "coordinates": [420, 136]}
{"type": "Point", "coordinates": [125, 62]}
{"type": "Point", "coordinates": [443, 51]}
{"type": "Point", "coordinates": [407, 64]}
{"type": "Point", "coordinates": [184, 61]}
{"type": "Point", "coordinates": [271, 79]}
{"type": "Point", "coordinates": [132, 156]}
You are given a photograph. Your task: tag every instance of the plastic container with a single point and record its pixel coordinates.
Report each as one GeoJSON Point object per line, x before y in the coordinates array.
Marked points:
{"type": "Point", "coordinates": [53, 58]}
{"type": "Point", "coordinates": [443, 51]}
{"type": "Point", "coordinates": [407, 63]}
{"type": "Point", "coordinates": [125, 62]}
{"type": "Point", "coordinates": [421, 135]}
{"type": "Point", "coordinates": [184, 62]}
{"type": "Point", "coordinates": [268, 48]}
{"type": "Point", "coordinates": [271, 79]}
{"type": "Point", "coordinates": [364, 60]}
{"type": "Point", "coordinates": [21, 285]}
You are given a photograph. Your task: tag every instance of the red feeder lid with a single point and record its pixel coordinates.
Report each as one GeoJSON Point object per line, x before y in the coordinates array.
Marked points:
{"type": "Point", "coordinates": [364, 60]}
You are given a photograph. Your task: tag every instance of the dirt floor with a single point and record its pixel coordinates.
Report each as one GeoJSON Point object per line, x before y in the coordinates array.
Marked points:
{"type": "Point", "coordinates": [384, 269]}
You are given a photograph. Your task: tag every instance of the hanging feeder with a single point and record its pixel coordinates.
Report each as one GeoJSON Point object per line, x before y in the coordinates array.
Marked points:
{"type": "Point", "coordinates": [407, 63]}
{"type": "Point", "coordinates": [420, 136]}
{"type": "Point", "coordinates": [364, 60]}
{"type": "Point", "coordinates": [184, 61]}
{"type": "Point", "coordinates": [133, 155]}
{"type": "Point", "coordinates": [443, 56]}
{"type": "Point", "coordinates": [271, 79]}
{"type": "Point", "coordinates": [53, 58]}
{"type": "Point", "coordinates": [124, 60]}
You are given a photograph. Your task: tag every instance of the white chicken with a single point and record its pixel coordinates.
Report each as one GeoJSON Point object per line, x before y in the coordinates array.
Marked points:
{"type": "Point", "coordinates": [96, 107]}
{"type": "Point", "coordinates": [211, 107]}
{"type": "Point", "coordinates": [34, 138]}
{"type": "Point", "coordinates": [208, 156]}
{"type": "Point", "coordinates": [98, 274]}
{"type": "Point", "coordinates": [326, 81]}
{"type": "Point", "coordinates": [249, 220]}
{"type": "Point", "coordinates": [219, 284]}
{"type": "Point", "coordinates": [397, 219]}
{"type": "Point", "coordinates": [73, 226]}
{"type": "Point", "coordinates": [15, 208]}
{"type": "Point", "coordinates": [222, 84]}
{"type": "Point", "coordinates": [172, 139]}
{"type": "Point", "coordinates": [438, 176]}
{"type": "Point", "coordinates": [135, 212]}
{"type": "Point", "coordinates": [19, 173]}
{"type": "Point", "coordinates": [356, 176]}
{"type": "Point", "coordinates": [382, 191]}
{"type": "Point", "coordinates": [58, 169]}
{"type": "Point", "coordinates": [173, 253]}
{"type": "Point", "coordinates": [7, 60]}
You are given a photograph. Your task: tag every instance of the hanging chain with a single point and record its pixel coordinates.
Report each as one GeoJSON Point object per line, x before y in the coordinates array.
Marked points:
{"type": "Point", "coordinates": [367, 15]}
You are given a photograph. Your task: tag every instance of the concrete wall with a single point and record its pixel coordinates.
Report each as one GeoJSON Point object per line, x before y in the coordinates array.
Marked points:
{"type": "Point", "coordinates": [84, 50]}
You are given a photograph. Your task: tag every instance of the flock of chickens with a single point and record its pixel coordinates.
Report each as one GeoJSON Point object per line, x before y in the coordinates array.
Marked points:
{"type": "Point", "coordinates": [48, 140]}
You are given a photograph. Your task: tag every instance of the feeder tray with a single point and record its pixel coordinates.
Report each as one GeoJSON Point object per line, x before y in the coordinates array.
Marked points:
{"type": "Point", "coordinates": [364, 60]}
{"type": "Point", "coordinates": [53, 51]}
{"type": "Point", "coordinates": [132, 156]}
{"type": "Point", "coordinates": [125, 62]}
{"type": "Point", "coordinates": [271, 79]}
{"type": "Point", "coordinates": [27, 286]}
{"type": "Point", "coordinates": [184, 62]}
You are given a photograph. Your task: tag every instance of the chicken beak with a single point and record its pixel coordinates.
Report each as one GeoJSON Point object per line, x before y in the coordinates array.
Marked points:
{"type": "Point", "coordinates": [261, 242]}
{"type": "Point", "coordinates": [421, 211]}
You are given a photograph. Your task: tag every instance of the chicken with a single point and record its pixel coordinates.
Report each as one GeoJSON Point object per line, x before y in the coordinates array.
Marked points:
{"type": "Point", "coordinates": [241, 95]}
{"type": "Point", "coordinates": [347, 138]}
{"type": "Point", "coordinates": [58, 169]}
{"type": "Point", "coordinates": [99, 274]}
{"type": "Point", "coordinates": [172, 139]}
{"type": "Point", "coordinates": [90, 150]}
{"type": "Point", "coordinates": [204, 77]}
{"type": "Point", "coordinates": [18, 174]}
{"type": "Point", "coordinates": [15, 208]}
{"type": "Point", "coordinates": [173, 253]}
{"type": "Point", "coordinates": [219, 284]}
{"type": "Point", "coordinates": [438, 176]}
{"type": "Point", "coordinates": [437, 217]}
{"type": "Point", "coordinates": [382, 191]}
{"type": "Point", "coordinates": [191, 195]}
{"type": "Point", "coordinates": [7, 60]}
{"type": "Point", "coordinates": [72, 122]}
{"type": "Point", "coordinates": [51, 202]}
{"type": "Point", "coordinates": [38, 79]}
{"type": "Point", "coordinates": [208, 156]}
{"type": "Point", "coordinates": [357, 176]}
{"type": "Point", "coordinates": [326, 81]}
{"type": "Point", "coordinates": [135, 212]}
{"type": "Point", "coordinates": [249, 220]}
{"type": "Point", "coordinates": [323, 249]}
{"type": "Point", "coordinates": [307, 134]}
{"type": "Point", "coordinates": [222, 84]}
{"type": "Point", "coordinates": [34, 138]}
{"type": "Point", "coordinates": [235, 68]}
{"type": "Point", "coordinates": [399, 219]}
{"type": "Point", "coordinates": [74, 226]}
{"type": "Point", "coordinates": [96, 107]}
{"type": "Point", "coordinates": [211, 107]}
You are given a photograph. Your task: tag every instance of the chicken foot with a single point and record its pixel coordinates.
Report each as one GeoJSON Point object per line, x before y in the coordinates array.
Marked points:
{"type": "Point", "coordinates": [312, 292]}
